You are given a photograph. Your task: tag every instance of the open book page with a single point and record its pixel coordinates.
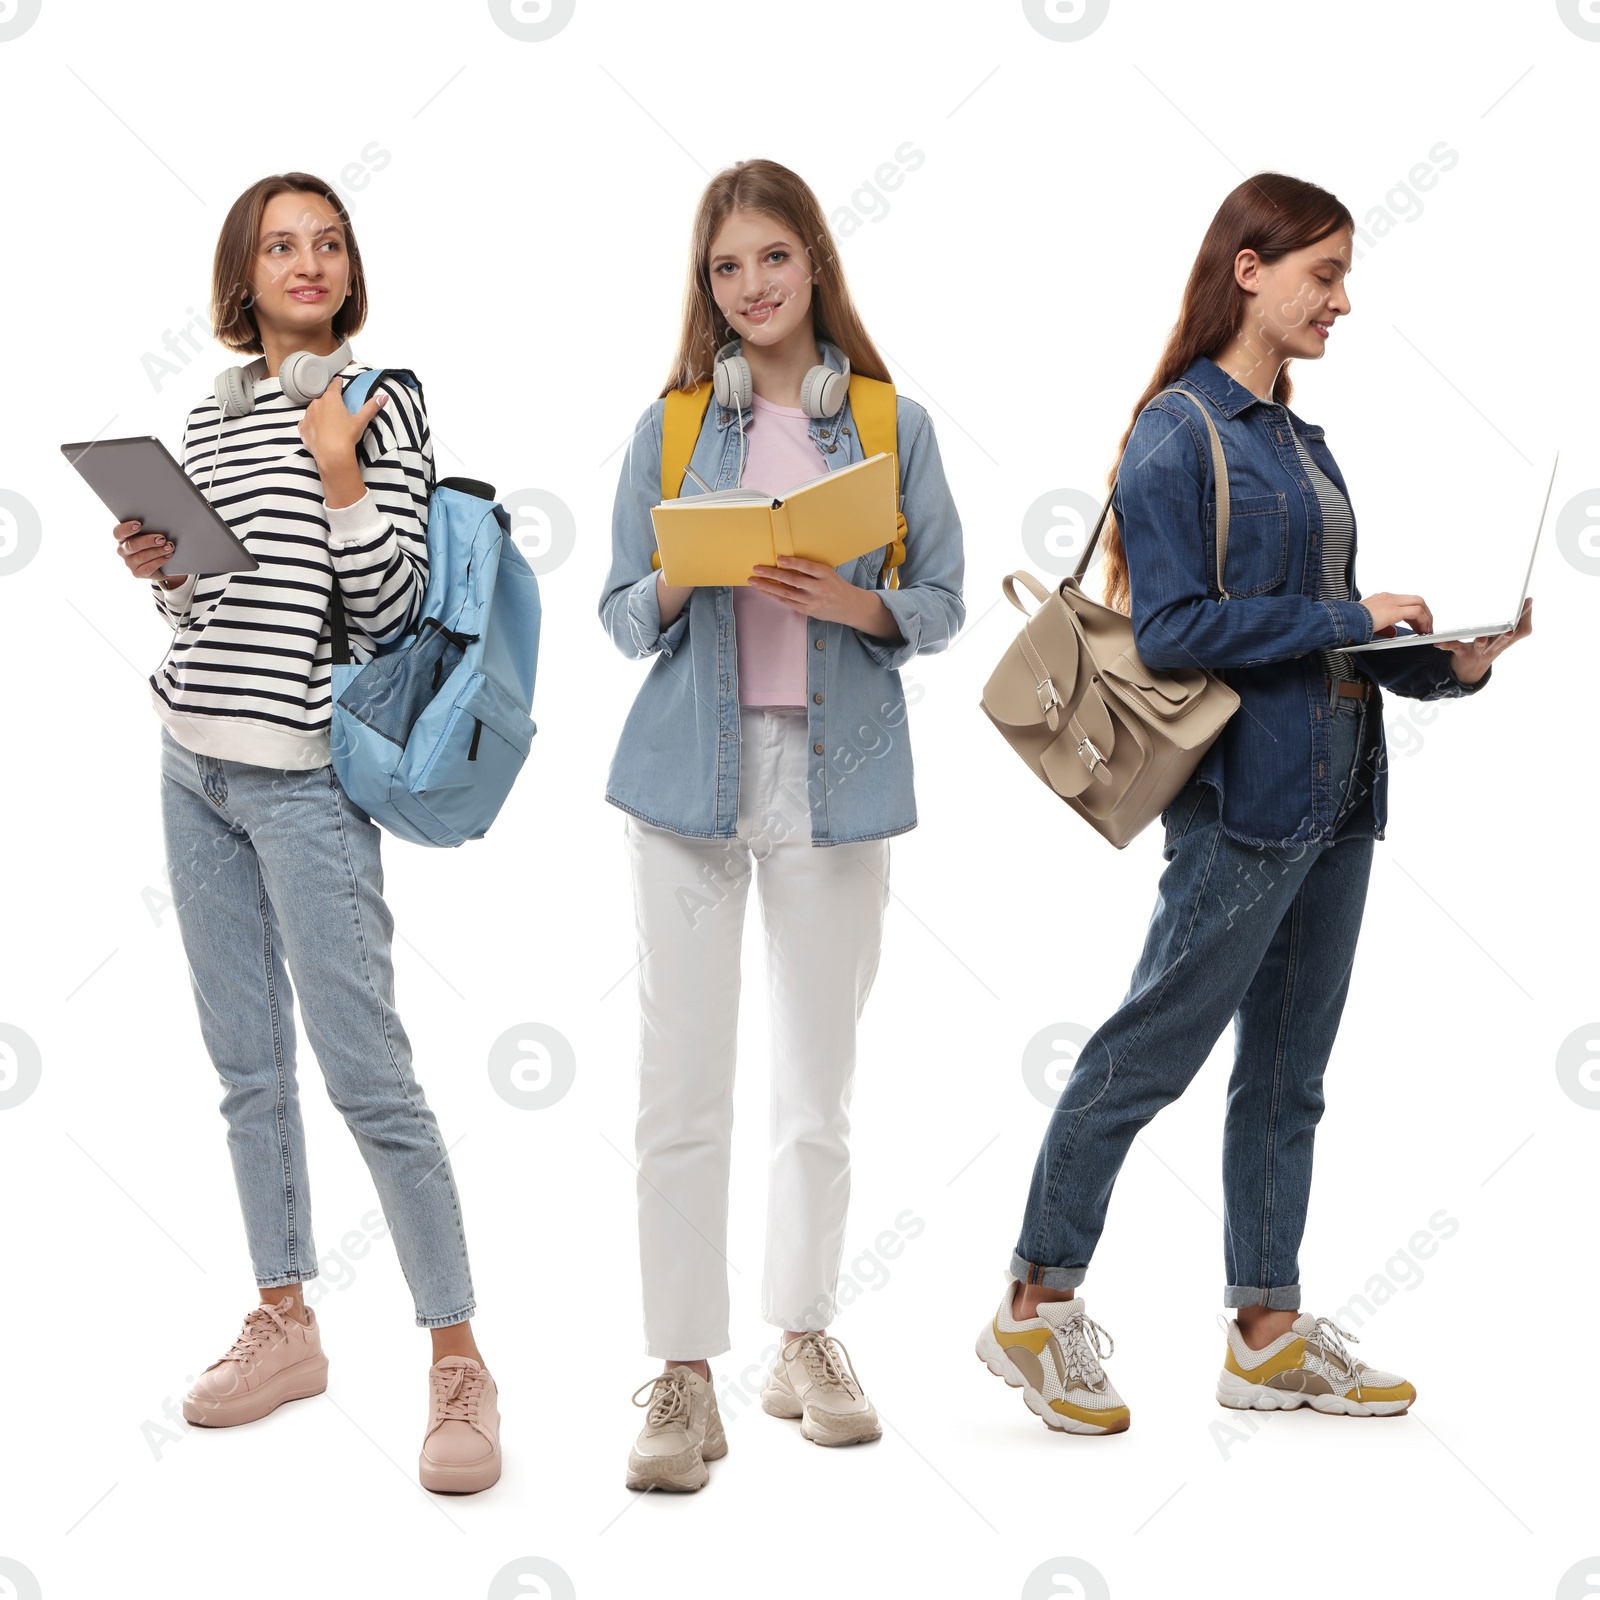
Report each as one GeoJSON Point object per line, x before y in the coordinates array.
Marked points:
{"type": "Point", "coordinates": [757, 497]}
{"type": "Point", "coordinates": [715, 538]}
{"type": "Point", "coordinates": [724, 497]}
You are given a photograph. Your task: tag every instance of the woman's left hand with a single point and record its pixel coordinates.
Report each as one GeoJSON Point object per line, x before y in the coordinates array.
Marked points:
{"type": "Point", "coordinates": [330, 431]}
{"type": "Point", "coordinates": [815, 588]}
{"type": "Point", "coordinates": [1472, 656]}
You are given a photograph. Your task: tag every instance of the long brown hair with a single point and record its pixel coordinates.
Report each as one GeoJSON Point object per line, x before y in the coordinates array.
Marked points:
{"type": "Point", "coordinates": [777, 192]}
{"type": "Point", "coordinates": [1271, 214]}
{"type": "Point", "coordinates": [234, 324]}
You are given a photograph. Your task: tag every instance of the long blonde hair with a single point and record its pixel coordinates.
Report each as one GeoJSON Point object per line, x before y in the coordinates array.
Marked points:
{"type": "Point", "coordinates": [774, 190]}
{"type": "Point", "coordinates": [1271, 214]}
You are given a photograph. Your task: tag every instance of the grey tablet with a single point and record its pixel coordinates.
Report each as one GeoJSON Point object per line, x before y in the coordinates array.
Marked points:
{"type": "Point", "coordinates": [138, 478]}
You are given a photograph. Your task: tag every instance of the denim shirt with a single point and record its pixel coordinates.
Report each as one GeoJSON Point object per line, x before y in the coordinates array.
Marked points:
{"type": "Point", "coordinates": [677, 761]}
{"type": "Point", "coordinates": [1270, 766]}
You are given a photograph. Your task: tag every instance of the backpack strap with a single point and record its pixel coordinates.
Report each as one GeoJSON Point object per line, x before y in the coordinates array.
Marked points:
{"type": "Point", "coordinates": [356, 393]}
{"type": "Point", "coordinates": [680, 429]}
{"type": "Point", "coordinates": [872, 404]}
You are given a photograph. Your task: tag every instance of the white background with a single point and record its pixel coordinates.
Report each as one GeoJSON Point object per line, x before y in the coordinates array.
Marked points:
{"type": "Point", "coordinates": [524, 209]}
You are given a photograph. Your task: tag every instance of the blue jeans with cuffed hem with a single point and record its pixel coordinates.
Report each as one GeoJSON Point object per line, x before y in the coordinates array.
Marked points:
{"type": "Point", "coordinates": [1264, 936]}
{"type": "Point", "coordinates": [276, 871]}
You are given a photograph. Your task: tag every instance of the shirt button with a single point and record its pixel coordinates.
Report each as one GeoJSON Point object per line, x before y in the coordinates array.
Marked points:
{"type": "Point", "coordinates": [819, 644]}
{"type": "Point", "coordinates": [830, 448]}
{"type": "Point", "coordinates": [817, 698]}
{"type": "Point", "coordinates": [817, 748]}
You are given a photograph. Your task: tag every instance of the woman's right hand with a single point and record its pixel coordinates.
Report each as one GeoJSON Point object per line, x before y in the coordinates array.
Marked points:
{"type": "Point", "coordinates": [144, 553]}
{"type": "Point", "coordinates": [1388, 609]}
{"type": "Point", "coordinates": [671, 598]}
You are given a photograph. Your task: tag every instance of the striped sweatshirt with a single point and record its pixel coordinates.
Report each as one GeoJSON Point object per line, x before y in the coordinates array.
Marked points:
{"type": "Point", "coordinates": [247, 677]}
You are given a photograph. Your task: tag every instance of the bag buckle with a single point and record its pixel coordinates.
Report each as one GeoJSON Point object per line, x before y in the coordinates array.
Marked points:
{"type": "Point", "coordinates": [1054, 702]}
{"type": "Point", "coordinates": [1086, 743]}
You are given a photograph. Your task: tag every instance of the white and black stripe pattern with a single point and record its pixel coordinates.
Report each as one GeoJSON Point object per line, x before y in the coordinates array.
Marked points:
{"type": "Point", "coordinates": [1338, 536]}
{"type": "Point", "coordinates": [248, 674]}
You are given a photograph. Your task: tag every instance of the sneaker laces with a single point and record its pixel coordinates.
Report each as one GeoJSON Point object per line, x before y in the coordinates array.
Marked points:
{"type": "Point", "coordinates": [1333, 1339]}
{"type": "Point", "coordinates": [456, 1397]}
{"type": "Point", "coordinates": [1078, 1339]}
{"type": "Point", "coordinates": [262, 1327]}
{"type": "Point", "coordinates": [668, 1404]}
{"type": "Point", "coordinates": [821, 1355]}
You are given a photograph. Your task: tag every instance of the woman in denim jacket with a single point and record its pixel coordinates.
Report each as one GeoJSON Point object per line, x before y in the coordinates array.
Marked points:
{"type": "Point", "coordinates": [1268, 846]}
{"type": "Point", "coordinates": [770, 729]}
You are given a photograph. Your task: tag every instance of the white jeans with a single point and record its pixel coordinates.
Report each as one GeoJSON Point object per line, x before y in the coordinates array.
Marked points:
{"type": "Point", "coordinates": [822, 908]}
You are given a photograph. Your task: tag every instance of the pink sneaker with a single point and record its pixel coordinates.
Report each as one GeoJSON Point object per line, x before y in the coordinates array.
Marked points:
{"type": "Point", "coordinates": [461, 1449]}
{"type": "Point", "coordinates": [275, 1358]}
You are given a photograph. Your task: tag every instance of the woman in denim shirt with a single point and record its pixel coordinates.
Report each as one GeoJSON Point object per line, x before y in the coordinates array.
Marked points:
{"type": "Point", "coordinates": [1269, 845]}
{"type": "Point", "coordinates": [771, 728]}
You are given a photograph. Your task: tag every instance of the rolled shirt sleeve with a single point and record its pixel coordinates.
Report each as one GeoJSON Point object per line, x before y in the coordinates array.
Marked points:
{"type": "Point", "coordinates": [630, 605]}
{"type": "Point", "coordinates": [928, 606]}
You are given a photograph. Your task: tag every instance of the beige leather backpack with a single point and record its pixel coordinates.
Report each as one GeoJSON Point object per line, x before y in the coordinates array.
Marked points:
{"type": "Point", "coordinates": [1114, 739]}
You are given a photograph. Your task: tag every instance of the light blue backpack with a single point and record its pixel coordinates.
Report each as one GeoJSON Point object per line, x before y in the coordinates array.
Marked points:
{"type": "Point", "coordinates": [428, 736]}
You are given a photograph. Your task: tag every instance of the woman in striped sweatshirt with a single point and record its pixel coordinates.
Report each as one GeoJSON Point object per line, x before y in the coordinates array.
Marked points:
{"type": "Point", "coordinates": [273, 868]}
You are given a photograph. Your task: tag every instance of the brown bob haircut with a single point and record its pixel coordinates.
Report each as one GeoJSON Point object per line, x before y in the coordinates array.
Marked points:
{"type": "Point", "coordinates": [1271, 214]}
{"type": "Point", "coordinates": [775, 191]}
{"type": "Point", "coordinates": [234, 324]}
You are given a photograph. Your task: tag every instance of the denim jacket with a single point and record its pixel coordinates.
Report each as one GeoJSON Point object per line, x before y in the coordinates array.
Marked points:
{"type": "Point", "coordinates": [1270, 766]}
{"type": "Point", "coordinates": [677, 761]}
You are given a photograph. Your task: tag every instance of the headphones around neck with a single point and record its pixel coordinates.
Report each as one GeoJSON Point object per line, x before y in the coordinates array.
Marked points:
{"type": "Point", "coordinates": [303, 374]}
{"type": "Point", "coordinates": [822, 390]}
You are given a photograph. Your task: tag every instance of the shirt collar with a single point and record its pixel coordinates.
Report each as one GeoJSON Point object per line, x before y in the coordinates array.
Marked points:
{"type": "Point", "coordinates": [1228, 395]}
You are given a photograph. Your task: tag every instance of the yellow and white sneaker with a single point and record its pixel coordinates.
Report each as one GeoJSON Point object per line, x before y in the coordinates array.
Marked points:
{"type": "Point", "coordinates": [1054, 1358]}
{"type": "Point", "coordinates": [1307, 1366]}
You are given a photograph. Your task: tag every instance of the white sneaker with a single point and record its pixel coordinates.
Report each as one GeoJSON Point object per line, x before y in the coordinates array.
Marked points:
{"type": "Point", "coordinates": [815, 1380]}
{"type": "Point", "coordinates": [1308, 1365]}
{"type": "Point", "coordinates": [682, 1431]}
{"type": "Point", "coordinates": [1054, 1358]}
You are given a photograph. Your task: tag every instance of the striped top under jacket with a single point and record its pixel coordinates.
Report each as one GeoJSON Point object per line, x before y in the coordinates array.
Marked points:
{"type": "Point", "coordinates": [247, 676]}
{"type": "Point", "coordinates": [1338, 539]}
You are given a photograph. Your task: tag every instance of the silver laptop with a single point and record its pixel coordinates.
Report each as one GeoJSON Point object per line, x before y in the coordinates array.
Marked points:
{"type": "Point", "coordinates": [1488, 629]}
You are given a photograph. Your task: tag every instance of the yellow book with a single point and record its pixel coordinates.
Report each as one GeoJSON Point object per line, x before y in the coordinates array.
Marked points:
{"type": "Point", "coordinates": [716, 538]}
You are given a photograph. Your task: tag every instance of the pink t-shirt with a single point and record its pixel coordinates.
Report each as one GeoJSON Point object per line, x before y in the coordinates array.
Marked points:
{"type": "Point", "coordinates": [771, 637]}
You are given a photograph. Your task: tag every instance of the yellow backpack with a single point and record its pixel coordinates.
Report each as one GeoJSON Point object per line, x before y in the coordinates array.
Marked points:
{"type": "Point", "coordinates": [872, 405]}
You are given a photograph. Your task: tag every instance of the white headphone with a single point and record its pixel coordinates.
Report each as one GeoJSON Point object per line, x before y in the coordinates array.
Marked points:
{"type": "Point", "coordinates": [303, 374]}
{"type": "Point", "coordinates": [822, 390]}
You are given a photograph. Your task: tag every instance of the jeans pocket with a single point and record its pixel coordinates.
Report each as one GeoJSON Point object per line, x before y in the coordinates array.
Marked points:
{"type": "Point", "coordinates": [1184, 811]}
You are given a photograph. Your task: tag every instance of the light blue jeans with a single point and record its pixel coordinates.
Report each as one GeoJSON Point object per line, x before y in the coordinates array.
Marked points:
{"type": "Point", "coordinates": [276, 871]}
{"type": "Point", "coordinates": [1260, 935]}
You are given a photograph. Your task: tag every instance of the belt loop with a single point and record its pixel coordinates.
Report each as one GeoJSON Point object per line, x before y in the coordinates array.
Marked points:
{"type": "Point", "coordinates": [1333, 693]}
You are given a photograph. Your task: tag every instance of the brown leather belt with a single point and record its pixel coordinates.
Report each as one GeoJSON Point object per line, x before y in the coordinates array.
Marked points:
{"type": "Point", "coordinates": [1358, 690]}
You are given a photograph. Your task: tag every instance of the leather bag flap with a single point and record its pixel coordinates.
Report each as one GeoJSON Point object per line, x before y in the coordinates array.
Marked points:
{"type": "Point", "coordinates": [1079, 755]}
{"type": "Point", "coordinates": [1038, 674]}
{"type": "Point", "coordinates": [1162, 694]}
